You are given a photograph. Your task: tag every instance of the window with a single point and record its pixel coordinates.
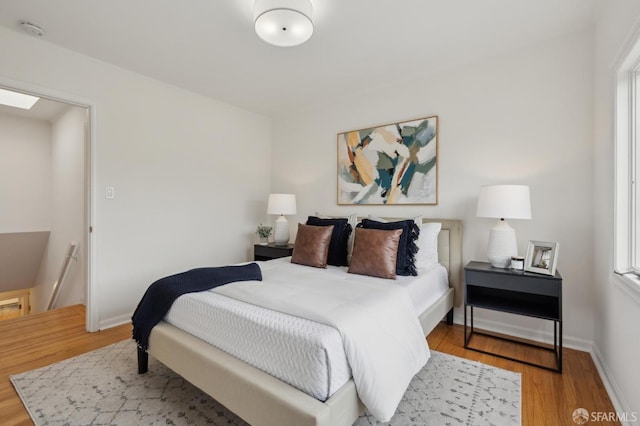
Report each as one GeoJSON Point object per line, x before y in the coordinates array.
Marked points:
{"type": "Point", "coordinates": [627, 165]}
{"type": "Point", "coordinates": [14, 304]}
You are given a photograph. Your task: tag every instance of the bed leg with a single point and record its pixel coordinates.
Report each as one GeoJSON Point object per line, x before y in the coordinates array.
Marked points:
{"type": "Point", "coordinates": [450, 317]}
{"type": "Point", "coordinates": [143, 361]}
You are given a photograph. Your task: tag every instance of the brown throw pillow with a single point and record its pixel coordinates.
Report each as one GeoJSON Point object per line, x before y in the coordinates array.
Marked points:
{"type": "Point", "coordinates": [375, 252]}
{"type": "Point", "coordinates": [312, 245]}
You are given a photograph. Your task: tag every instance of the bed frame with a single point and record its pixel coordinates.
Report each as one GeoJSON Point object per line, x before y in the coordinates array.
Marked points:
{"type": "Point", "coordinates": [261, 399]}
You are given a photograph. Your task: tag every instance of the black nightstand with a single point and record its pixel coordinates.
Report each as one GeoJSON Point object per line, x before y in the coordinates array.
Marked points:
{"type": "Point", "coordinates": [271, 251]}
{"type": "Point", "coordinates": [515, 292]}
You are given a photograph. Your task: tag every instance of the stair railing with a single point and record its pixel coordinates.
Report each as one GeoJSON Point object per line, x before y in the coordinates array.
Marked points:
{"type": "Point", "coordinates": [66, 263]}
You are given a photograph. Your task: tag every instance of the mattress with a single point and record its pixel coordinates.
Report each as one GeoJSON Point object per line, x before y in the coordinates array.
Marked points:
{"type": "Point", "coordinates": [305, 354]}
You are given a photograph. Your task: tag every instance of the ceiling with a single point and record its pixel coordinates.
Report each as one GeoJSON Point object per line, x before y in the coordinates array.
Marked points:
{"type": "Point", "coordinates": [209, 46]}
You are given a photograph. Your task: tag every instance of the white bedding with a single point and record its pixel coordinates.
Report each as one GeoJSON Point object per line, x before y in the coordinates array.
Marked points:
{"type": "Point", "coordinates": [306, 354]}
{"type": "Point", "coordinates": [427, 287]}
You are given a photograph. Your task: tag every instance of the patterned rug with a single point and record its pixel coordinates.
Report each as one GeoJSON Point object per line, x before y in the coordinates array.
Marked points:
{"type": "Point", "coordinates": [103, 388]}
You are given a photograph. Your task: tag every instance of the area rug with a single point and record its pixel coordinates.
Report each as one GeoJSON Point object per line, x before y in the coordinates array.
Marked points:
{"type": "Point", "coordinates": [103, 388]}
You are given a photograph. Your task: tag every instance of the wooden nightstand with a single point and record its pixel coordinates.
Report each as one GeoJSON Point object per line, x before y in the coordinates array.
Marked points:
{"type": "Point", "coordinates": [515, 292]}
{"type": "Point", "coordinates": [271, 251]}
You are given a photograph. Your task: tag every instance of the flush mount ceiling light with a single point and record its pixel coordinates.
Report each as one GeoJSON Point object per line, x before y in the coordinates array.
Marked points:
{"type": "Point", "coordinates": [283, 23]}
{"type": "Point", "coordinates": [32, 29]}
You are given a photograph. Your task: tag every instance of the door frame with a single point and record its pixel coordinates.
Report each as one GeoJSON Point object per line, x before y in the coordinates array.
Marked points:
{"type": "Point", "coordinates": [92, 322]}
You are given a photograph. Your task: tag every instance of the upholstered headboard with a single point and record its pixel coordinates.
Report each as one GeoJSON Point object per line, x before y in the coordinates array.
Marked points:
{"type": "Point", "coordinates": [450, 253]}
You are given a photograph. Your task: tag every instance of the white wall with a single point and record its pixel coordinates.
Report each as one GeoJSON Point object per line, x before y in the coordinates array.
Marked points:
{"type": "Point", "coordinates": [618, 311]}
{"type": "Point", "coordinates": [67, 212]}
{"type": "Point", "coordinates": [191, 174]}
{"type": "Point", "coordinates": [25, 170]}
{"type": "Point", "coordinates": [521, 118]}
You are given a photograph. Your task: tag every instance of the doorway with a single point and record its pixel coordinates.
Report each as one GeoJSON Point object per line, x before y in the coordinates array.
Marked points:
{"type": "Point", "coordinates": [72, 120]}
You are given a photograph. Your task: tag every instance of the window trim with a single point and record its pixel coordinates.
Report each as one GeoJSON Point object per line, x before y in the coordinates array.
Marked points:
{"type": "Point", "coordinates": [626, 270]}
{"type": "Point", "coordinates": [629, 283]}
{"type": "Point", "coordinates": [623, 137]}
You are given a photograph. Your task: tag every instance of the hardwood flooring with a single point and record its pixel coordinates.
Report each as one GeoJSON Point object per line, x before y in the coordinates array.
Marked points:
{"type": "Point", "coordinates": [37, 340]}
{"type": "Point", "coordinates": [548, 399]}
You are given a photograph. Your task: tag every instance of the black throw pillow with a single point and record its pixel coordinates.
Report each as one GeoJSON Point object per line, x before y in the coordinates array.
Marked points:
{"type": "Point", "coordinates": [407, 247]}
{"type": "Point", "coordinates": [339, 239]}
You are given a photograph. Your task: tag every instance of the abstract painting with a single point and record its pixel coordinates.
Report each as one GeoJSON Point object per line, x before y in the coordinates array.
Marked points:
{"type": "Point", "coordinates": [390, 164]}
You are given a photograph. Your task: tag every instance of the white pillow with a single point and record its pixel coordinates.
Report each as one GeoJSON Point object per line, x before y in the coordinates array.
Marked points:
{"type": "Point", "coordinates": [352, 219]}
{"type": "Point", "coordinates": [428, 245]}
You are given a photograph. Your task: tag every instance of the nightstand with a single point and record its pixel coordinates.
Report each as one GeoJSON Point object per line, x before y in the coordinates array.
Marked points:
{"type": "Point", "coordinates": [271, 251]}
{"type": "Point", "coordinates": [515, 292]}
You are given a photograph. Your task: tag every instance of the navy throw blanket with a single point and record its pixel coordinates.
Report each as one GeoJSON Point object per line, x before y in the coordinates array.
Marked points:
{"type": "Point", "coordinates": [160, 295]}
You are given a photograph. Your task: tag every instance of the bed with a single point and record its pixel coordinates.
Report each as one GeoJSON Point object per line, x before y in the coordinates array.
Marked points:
{"type": "Point", "coordinates": [262, 399]}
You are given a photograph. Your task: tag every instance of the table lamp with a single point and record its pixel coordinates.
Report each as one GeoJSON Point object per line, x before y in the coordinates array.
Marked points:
{"type": "Point", "coordinates": [503, 202]}
{"type": "Point", "coordinates": [281, 204]}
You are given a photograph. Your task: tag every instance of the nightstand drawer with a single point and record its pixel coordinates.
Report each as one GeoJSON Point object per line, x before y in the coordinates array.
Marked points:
{"type": "Point", "coordinates": [523, 284]}
{"type": "Point", "coordinates": [271, 251]}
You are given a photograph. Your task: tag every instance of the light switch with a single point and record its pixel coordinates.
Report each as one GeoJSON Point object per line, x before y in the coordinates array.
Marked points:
{"type": "Point", "coordinates": [111, 192]}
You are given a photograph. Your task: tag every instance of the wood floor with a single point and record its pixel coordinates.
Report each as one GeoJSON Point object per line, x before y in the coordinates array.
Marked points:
{"type": "Point", "coordinates": [34, 341]}
{"type": "Point", "coordinates": [548, 399]}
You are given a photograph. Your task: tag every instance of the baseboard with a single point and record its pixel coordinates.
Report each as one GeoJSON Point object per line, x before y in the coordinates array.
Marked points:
{"type": "Point", "coordinates": [615, 394]}
{"type": "Point", "coordinates": [115, 321]}
{"type": "Point", "coordinates": [526, 333]}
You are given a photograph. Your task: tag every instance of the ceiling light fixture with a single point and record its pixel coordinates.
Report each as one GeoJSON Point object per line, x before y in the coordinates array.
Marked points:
{"type": "Point", "coordinates": [32, 29]}
{"type": "Point", "coordinates": [283, 23]}
{"type": "Point", "coordinates": [16, 99]}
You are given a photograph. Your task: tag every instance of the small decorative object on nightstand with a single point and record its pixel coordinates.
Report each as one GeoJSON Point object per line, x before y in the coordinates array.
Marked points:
{"type": "Point", "coordinates": [541, 257]}
{"type": "Point", "coordinates": [517, 263]}
{"type": "Point", "coordinates": [264, 232]}
{"type": "Point", "coordinates": [515, 292]}
{"type": "Point", "coordinates": [271, 251]}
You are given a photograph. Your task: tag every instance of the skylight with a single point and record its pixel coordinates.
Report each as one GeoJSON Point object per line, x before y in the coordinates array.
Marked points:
{"type": "Point", "coordinates": [18, 100]}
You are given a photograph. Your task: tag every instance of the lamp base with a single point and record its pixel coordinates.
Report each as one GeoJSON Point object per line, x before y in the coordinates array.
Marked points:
{"type": "Point", "coordinates": [281, 231]}
{"type": "Point", "coordinates": [502, 245]}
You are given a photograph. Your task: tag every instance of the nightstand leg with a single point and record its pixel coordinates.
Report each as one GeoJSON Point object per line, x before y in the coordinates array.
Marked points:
{"type": "Point", "coordinates": [472, 320]}
{"type": "Point", "coordinates": [560, 358]}
{"type": "Point", "coordinates": [465, 326]}
{"type": "Point", "coordinates": [467, 336]}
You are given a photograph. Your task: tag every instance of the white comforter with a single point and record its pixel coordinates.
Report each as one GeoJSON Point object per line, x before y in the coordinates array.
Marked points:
{"type": "Point", "coordinates": [382, 337]}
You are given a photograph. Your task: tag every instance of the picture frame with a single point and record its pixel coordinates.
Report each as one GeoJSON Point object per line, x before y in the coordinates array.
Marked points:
{"type": "Point", "coordinates": [542, 257]}
{"type": "Point", "coordinates": [390, 164]}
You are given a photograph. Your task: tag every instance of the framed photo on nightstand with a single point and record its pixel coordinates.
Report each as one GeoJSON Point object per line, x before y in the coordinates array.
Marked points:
{"type": "Point", "coordinates": [541, 257]}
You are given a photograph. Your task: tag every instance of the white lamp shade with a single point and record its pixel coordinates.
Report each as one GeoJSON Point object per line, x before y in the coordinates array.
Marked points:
{"type": "Point", "coordinates": [504, 202]}
{"type": "Point", "coordinates": [281, 204]}
{"type": "Point", "coordinates": [283, 23]}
